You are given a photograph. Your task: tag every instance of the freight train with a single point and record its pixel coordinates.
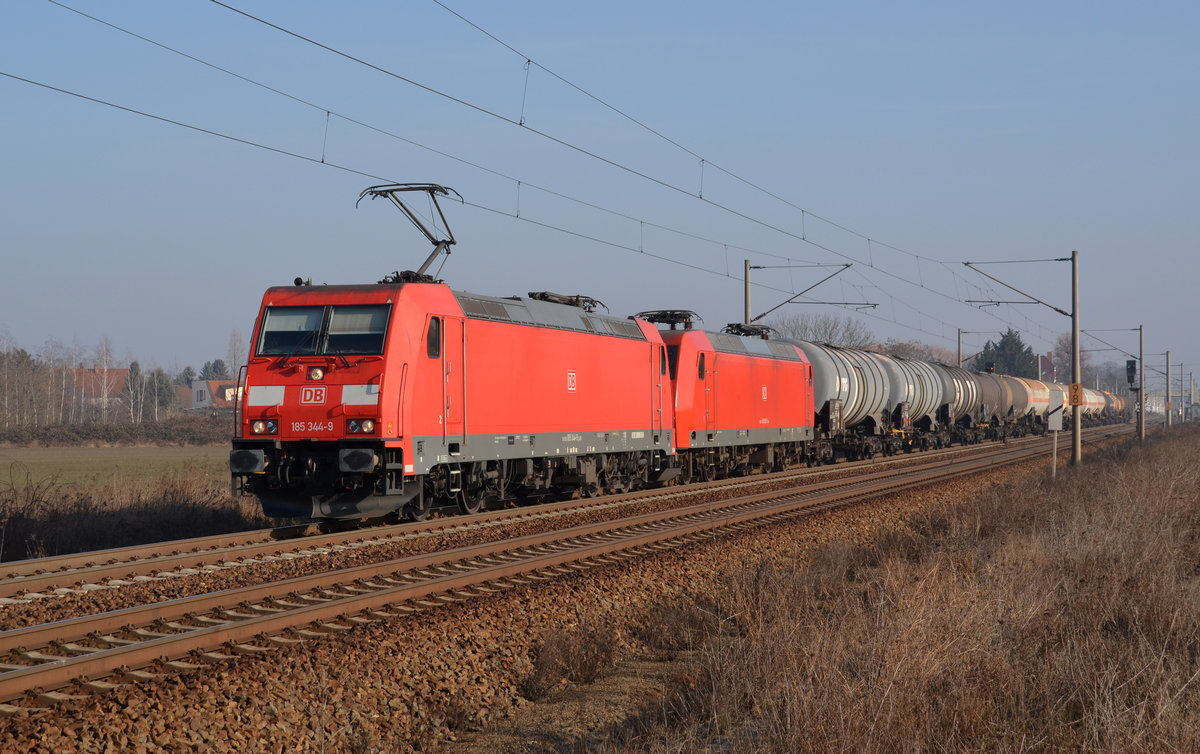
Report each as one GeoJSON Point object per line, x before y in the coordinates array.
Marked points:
{"type": "Point", "coordinates": [399, 396]}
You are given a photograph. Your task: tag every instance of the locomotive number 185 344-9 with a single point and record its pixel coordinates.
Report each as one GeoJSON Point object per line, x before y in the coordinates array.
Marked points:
{"type": "Point", "coordinates": [300, 427]}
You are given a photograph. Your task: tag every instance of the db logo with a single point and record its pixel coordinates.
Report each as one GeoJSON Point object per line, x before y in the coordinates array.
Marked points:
{"type": "Point", "coordinates": [571, 382]}
{"type": "Point", "coordinates": [312, 395]}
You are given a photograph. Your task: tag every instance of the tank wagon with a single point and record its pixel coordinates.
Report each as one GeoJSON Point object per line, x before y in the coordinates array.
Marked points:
{"type": "Point", "coordinates": [869, 403]}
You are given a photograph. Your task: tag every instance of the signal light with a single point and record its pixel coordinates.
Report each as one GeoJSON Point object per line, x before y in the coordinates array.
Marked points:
{"type": "Point", "coordinates": [990, 366]}
{"type": "Point", "coordinates": [1131, 370]}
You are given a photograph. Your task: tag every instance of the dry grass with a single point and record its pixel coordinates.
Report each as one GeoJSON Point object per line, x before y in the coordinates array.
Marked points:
{"type": "Point", "coordinates": [576, 654]}
{"type": "Point", "coordinates": [1039, 617]}
{"type": "Point", "coordinates": [47, 516]}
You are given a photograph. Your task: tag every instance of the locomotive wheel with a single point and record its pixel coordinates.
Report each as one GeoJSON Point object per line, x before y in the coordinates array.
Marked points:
{"type": "Point", "coordinates": [416, 512]}
{"type": "Point", "coordinates": [469, 502]}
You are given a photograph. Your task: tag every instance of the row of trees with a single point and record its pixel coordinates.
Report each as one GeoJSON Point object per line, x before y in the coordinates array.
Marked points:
{"type": "Point", "coordinates": [62, 385]}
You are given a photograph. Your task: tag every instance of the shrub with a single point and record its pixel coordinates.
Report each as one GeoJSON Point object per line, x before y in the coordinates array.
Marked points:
{"type": "Point", "coordinates": [578, 654]}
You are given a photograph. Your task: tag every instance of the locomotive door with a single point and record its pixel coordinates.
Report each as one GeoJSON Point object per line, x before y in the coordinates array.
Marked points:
{"type": "Point", "coordinates": [705, 371]}
{"type": "Point", "coordinates": [454, 377]}
{"type": "Point", "coordinates": [658, 375]}
{"type": "Point", "coordinates": [710, 390]}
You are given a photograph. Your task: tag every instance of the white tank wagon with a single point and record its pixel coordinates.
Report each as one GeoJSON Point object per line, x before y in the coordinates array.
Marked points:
{"type": "Point", "coordinates": [852, 393]}
{"type": "Point", "coordinates": [955, 415]}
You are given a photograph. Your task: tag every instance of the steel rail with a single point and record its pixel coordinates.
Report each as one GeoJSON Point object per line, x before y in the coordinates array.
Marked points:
{"type": "Point", "coordinates": [40, 575]}
{"type": "Point", "coordinates": [355, 591]}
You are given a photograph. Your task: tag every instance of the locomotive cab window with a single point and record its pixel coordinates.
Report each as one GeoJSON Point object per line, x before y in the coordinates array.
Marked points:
{"type": "Point", "coordinates": [290, 330]}
{"type": "Point", "coordinates": [662, 360]}
{"type": "Point", "coordinates": [318, 330]}
{"type": "Point", "coordinates": [700, 371]}
{"type": "Point", "coordinates": [433, 341]}
{"type": "Point", "coordinates": [356, 329]}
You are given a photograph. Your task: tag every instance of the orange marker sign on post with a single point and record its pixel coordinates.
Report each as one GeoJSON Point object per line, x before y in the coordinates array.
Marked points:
{"type": "Point", "coordinates": [1075, 397]}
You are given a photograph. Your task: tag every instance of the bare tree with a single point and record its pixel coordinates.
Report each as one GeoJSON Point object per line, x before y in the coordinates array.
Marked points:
{"type": "Point", "coordinates": [823, 328]}
{"type": "Point", "coordinates": [135, 392]}
{"type": "Point", "coordinates": [237, 351]}
{"type": "Point", "coordinates": [106, 380]}
{"type": "Point", "coordinates": [1062, 360]}
{"type": "Point", "coordinates": [912, 349]}
{"type": "Point", "coordinates": [5, 351]}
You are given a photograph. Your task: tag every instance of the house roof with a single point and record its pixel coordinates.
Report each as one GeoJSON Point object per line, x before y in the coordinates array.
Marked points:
{"type": "Point", "coordinates": [219, 389]}
{"type": "Point", "coordinates": [97, 382]}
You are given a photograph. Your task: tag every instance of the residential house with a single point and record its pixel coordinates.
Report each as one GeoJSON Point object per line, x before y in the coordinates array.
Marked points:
{"type": "Point", "coordinates": [215, 395]}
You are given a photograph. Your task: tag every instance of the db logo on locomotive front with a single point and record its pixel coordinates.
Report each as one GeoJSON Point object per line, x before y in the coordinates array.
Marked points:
{"type": "Point", "coordinates": [311, 395]}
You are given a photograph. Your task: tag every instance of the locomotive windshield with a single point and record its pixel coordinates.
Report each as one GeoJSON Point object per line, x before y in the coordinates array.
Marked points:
{"type": "Point", "coordinates": [316, 330]}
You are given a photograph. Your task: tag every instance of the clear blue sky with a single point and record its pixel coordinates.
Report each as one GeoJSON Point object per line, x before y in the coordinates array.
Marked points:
{"type": "Point", "coordinates": [952, 131]}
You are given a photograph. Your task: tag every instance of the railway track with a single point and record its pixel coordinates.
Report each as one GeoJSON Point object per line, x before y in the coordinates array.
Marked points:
{"type": "Point", "coordinates": [68, 574]}
{"type": "Point", "coordinates": [45, 664]}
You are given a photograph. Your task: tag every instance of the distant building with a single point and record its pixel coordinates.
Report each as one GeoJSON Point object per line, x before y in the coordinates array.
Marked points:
{"type": "Point", "coordinates": [97, 382]}
{"type": "Point", "coordinates": [1046, 370]}
{"type": "Point", "coordinates": [215, 395]}
{"type": "Point", "coordinates": [97, 391]}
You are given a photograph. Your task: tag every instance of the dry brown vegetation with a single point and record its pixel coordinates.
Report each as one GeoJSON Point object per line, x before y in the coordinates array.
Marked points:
{"type": "Point", "coordinates": [46, 517]}
{"type": "Point", "coordinates": [575, 654]}
{"type": "Point", "coordinates": [1040, 616]}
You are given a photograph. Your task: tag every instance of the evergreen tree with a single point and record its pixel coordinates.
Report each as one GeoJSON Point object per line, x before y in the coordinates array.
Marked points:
{"type": "Point", "coordinates": [1009, 356]}
{"type": "Point", "coordinates": [214, 370]}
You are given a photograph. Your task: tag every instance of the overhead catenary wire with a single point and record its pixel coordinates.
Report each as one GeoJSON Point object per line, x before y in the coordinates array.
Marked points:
{"type": "Point", "coordinates": [376, 177]}
{"type": "Point", "coordinates": [609, 161]}
{"type": "Point", "coordinates": [702, 159]}
{"type": "Point", "coordinates": [803, 237]}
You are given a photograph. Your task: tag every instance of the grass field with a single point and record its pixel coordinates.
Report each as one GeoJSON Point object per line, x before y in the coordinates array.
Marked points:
{"type": "Point", "coordinates": [92, 467]}
{"type": "Point", "coordinates": [59, 500]}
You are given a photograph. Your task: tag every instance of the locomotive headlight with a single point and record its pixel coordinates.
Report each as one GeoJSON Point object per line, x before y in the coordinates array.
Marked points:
{"type": "Point", "coordinates": [272, 427]}
{"type": "Point", "coordinates": [258, 427]}
{"type": "Point", "coordinates": [316, 373]}
{"type": "Point", "coordinates": [264, 426]}
{"type": "Point", "coordinates": [360, 426]}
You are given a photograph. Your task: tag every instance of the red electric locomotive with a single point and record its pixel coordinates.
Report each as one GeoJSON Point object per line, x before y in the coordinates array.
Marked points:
{"type": "Point", "coordinates": [361, 400]}
{"type": "Point", "coordinates": [741, 403]}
